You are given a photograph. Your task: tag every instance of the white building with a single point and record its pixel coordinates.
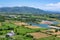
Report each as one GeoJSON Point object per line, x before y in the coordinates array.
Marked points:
{"type": "Point", "coordinates": [10, 34]}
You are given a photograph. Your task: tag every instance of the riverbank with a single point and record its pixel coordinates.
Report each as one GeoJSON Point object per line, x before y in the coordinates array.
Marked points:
{"type": "Point", "coordinates": [26, 25]}
{"type": "Point", "coordinates": [54, 27]}
{"type": "Point", "coordinates": [31, 26]}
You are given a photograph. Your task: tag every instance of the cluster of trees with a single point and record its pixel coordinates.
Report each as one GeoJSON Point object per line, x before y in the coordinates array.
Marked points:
{"type": "Point", "coordinates": [2, 18]}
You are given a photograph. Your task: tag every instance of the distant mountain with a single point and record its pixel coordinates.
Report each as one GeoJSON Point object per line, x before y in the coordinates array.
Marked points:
{"type": "Point", "coordinates": [22, 10]}
{"type": "Point", "coordinates": [53, 12]}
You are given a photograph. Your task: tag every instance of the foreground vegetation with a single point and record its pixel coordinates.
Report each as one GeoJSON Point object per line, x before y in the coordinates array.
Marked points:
{"type": "Point", "coordinates": [21, 32]}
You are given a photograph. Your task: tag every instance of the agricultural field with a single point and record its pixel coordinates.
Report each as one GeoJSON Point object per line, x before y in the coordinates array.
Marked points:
{"type": "Point", "coordinates": [20, 31]}
{"type": "Point", "coordinates": [23, 33]}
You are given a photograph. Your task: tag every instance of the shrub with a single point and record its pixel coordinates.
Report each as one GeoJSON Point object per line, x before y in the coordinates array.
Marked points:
{"type": "Point", "coordinates": [1, 29]}
{"type": "Point", "coordinates": [18, 33]}
{"type": "Point", "coordinates": [29, 36]}
{"type": "Point", "coordinates": [1, 33]}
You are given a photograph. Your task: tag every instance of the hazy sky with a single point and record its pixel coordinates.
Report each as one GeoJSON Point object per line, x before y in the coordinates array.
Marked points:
{"type": "Point", "coordinates": [42, 4]}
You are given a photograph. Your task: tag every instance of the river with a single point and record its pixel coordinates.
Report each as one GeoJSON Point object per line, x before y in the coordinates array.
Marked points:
{"type": "Point", "coordinates": [41, 25]}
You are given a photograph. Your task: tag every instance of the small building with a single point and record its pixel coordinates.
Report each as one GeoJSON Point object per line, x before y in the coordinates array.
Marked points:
{"type": "Point", "coordinates": [10, 34]}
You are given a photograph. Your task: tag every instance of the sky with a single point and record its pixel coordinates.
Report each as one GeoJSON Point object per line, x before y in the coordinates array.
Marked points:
{"type": "Point", "coordinates": [52, 5]}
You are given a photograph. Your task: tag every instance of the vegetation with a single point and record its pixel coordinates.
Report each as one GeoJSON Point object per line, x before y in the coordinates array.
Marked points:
{"type": "Point", "coordinates": [7, 24]}
{"type": "Point", "coordinates": [20, 31]}
{"type": "Point", "coordinates": [50, 38]}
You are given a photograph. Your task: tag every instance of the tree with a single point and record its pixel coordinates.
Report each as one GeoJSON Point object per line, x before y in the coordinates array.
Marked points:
{"type": "Point", "coordinates": [56, 30]}
{"type": "Point", "coordinates": [2, 19]}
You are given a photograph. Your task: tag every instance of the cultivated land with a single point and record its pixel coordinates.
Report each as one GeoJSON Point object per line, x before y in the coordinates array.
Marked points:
{"type": "Point", "coordinates": [38, 35]}
{"type": "Point", "coordinates": [25, 24]}
{"type": "Point", "coordinates": [25, 31]}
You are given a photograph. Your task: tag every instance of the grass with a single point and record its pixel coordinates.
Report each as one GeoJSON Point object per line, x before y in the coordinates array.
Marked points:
{"type": "Point", "coordinates": [20, 31]}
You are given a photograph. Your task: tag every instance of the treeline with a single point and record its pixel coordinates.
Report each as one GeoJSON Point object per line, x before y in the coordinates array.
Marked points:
{"type": "Point", "coordinates": [30, 17]}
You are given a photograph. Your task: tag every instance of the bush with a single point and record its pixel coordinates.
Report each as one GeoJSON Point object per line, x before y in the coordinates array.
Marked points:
{"type": "Point", "coordinates": [29, 36]}
{"type": "Point", "coordinates": [18, 33]}
{"type": "Point", "coordinates": [1, 33]}
{"type": "Point", "coordinates": [10, 28]}
{"type": "Point", "coordinates": [1, 29]}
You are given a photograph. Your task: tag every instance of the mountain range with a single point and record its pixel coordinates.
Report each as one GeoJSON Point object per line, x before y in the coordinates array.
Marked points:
{"type": "Point", "coordinates": [23, 10]}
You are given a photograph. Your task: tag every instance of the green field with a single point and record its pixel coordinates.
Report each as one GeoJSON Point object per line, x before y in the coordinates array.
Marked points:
{"type": "Point", "coordinates": [21, 32]}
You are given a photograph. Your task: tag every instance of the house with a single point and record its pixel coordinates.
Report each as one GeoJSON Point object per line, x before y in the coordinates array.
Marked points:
{"type": "Point", "coordinates": [10, 34]}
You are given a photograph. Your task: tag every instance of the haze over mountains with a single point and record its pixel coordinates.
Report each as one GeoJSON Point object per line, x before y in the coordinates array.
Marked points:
{"type": "Point", "coordinates": [23, 10]}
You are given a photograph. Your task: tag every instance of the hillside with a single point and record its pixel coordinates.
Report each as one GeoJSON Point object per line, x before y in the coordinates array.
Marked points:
{"type": "Point", "coordinates": [19, 10]}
